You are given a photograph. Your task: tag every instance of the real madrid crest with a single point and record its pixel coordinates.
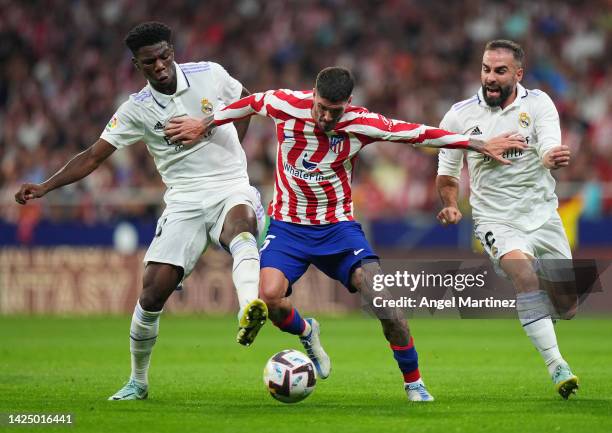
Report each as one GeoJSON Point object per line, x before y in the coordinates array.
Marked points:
{"type": "Point", "coordinates": [524, 120]}
{"type": "Point", "coordinates": [207, 107]}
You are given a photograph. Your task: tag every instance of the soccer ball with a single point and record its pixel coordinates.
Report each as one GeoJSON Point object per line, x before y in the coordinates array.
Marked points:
{"type": "Point", "coordinates": [290, 376]}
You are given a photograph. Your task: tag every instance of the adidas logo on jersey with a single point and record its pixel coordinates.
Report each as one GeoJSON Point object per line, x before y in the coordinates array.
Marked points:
{"type": "Point", "coordinates": [158, 126]}
{"type": "Point", "coordinates": [476, 131]}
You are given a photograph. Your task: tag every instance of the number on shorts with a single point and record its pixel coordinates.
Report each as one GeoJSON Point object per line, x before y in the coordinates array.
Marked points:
{"type": "Point", "coordinates": [160, 225]}
{"type": "Point", "coordinates": [267, 241]}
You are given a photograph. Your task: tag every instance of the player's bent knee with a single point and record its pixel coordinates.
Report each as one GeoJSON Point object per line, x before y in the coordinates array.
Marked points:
{"type": "Point", "coordinates": [240, 219]}
{"type": "Point", "coordinates": [150, 301]}
{"type": "Point", "coordinates": [522, 275]}
{"type": "Point", "coordinates": [525, 280]}
{"type": "Point", "coordinates": [154, 296]}
{"type": "Point", "coordinates": [271, 294]}
{"type": "Point", "coordinates": [357, 278]}
{"type": "Point", "coordinates": [273, 286]}
{"type": "Point", "coordinates": [248, 225]}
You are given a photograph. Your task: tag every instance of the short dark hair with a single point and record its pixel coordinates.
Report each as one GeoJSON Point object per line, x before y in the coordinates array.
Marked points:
{"type": "Point", "coordinates": [504, 44]}
{"type": "Point", "coordinates": [335, 84]}
{"type": "Point", "coordinates": [149, 33]}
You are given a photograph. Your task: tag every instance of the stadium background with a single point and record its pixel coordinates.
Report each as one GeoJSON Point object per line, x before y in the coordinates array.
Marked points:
{"type": "Point", "coordinates": [64, 69]}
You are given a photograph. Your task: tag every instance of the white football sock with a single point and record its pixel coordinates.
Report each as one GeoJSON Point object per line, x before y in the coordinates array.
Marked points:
{"type": "Point", "coordinates": [534, 314]}
{"type": "Point", "coordinates": [143, 335]}
{"type": "Point", "coordinates": [245, 271]}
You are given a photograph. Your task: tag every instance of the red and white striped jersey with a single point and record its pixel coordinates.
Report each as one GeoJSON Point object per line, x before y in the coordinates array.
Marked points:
{"type": "Point", "coordinates": [314, 168]}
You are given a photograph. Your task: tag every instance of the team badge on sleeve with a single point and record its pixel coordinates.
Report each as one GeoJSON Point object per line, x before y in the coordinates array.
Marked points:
{"type": "Point", "coordinates": [207, 107]}
{"type": "Point", "coordinates": [112, 124]}
{"type": "Point", "coordinates": [524, 120]}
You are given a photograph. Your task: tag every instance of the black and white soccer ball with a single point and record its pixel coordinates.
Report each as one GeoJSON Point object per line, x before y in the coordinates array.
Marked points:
{"type": "Point", "coordinates": [290, 376]}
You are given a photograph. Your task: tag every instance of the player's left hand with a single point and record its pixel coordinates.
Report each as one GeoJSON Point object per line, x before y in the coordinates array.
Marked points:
{"type": "Point", "coordinates": [185, 130]}
{"type": "Point", "coordinates": [557, 157]}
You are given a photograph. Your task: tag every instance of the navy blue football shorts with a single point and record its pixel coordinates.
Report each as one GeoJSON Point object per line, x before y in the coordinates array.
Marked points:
{"type": "Point", "coordinates": [336, 249]}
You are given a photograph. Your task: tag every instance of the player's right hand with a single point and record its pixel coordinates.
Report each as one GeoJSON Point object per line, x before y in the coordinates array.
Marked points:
{"type": "Point", "coordinates": [449, 215]}
{"type": "Point", "coordinates": [29, 191]}
{"type": "Point", "coordinates": [187, 130]}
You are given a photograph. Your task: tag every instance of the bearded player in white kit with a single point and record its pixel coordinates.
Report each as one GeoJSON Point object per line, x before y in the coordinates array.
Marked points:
{"type": "Point", "coordinates": [208, 193]}
{"type": "Point", "coordinates": [514, 206]}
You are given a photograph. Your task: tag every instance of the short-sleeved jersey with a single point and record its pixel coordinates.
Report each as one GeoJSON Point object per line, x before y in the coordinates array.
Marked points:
{"type": "Point", "coordinates": [216, 161]}
{"type": "Point", "coordinates": [521, 194]}
{"type": "Point", "coordinates": [314, 167]}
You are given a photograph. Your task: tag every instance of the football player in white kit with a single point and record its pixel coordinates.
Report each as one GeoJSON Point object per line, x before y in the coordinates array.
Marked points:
{"type": "Point", "coordinates": [514, 206]}
{"type": "Point", "coordinates": [208, 196]}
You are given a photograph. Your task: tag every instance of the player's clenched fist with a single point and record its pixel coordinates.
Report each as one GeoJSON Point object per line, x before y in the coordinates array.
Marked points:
{"type": "Point", "coordinates": [29, 191]}
{"type": "Point", "coordinates": [449, 215]}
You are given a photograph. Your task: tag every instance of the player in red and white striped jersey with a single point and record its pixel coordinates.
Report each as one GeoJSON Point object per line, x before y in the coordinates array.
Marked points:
{"type": "Point", "coordinates": [317, 149]}
{"type": "Point", "coordinates": [319, 136]}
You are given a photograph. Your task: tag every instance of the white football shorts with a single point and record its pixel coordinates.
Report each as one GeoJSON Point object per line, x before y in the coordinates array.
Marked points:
{"type": "Point", "coordinates": [185, 229]}
{"type": "Point", "coordinates": [545, 243]}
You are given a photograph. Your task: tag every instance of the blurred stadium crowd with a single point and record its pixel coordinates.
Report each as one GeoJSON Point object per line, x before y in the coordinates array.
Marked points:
{"type": "Point", "coordinates": [64, 69]}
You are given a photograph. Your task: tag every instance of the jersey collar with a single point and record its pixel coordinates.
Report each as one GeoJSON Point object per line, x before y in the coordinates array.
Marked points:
{"type": "Point", "coordinates": [182, 84]}
{"type": "Point", "coordinates": [520, 94]}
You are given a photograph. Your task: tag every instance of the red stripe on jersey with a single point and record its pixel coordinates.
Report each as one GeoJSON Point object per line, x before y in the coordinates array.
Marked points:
{"type": "Point", "coordinates": [365, 140]}
{"type": "Point", "coordinates": [248, 101]}
{"type": "Point", "coordinates": [338, 167]}
{"type": "Point", "coordinates": [277, 114]}
{"type": "Point", "coordinates": [280, 172]}
{"type": "Point", "coordinates": [328, 189]}
{"type": "Point", "coordinates": [374, 122]}
{"type": "Point", "coordinates": [332, 202]}
{"type": "Point", "coordinates": [431, 134]}
{"type": "Point", "coordinates": [300, 142]}
{"type": "Point", "coordinates": [311, 200]}
{"type": "Point", "coordinates": [292, 157]}
{"type": "Point", "coordinates": [323, 147]}
{"type": "Point", "coordinates": [381, 123]}
{"type": "Point", "coordinates": [304, 104]}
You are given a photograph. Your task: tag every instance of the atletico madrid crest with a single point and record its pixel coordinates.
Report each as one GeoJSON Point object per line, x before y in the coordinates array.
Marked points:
{"type": "Point", "coordinates": [336, 143]}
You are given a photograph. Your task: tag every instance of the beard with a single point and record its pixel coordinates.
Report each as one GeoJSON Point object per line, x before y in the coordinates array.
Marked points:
{"type": "Point", "coordinates": [497, 101]}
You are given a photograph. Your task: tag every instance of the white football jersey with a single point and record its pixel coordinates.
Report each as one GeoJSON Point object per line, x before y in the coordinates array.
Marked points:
{"type": "Point", "coordinates": [521, 194]}
{"type": "Point", "coordinates": [189, 172]}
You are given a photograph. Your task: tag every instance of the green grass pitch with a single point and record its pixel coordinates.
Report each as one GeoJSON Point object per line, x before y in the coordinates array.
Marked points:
{"type": "Point", "coordinates": [485, 375]}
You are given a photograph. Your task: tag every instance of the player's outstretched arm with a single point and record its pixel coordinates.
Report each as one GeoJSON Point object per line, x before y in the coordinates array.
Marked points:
{"type": "Point", "coordinates": [448, 189]}
{"type": "Point", "coordinates": [556, 157]}
{"type": "Point", "coordinates": [188, 130]}
{"type": "Point", "coordinates": [256, 103]}
{"type": "Point", "coordinates": [77, 168]}
{"type": "Point", "coordinates": [379, 128]}
{"type": "Point", "coordinates": [181, 128]}
{"type": "Point", "coordinates": [497, 146]}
